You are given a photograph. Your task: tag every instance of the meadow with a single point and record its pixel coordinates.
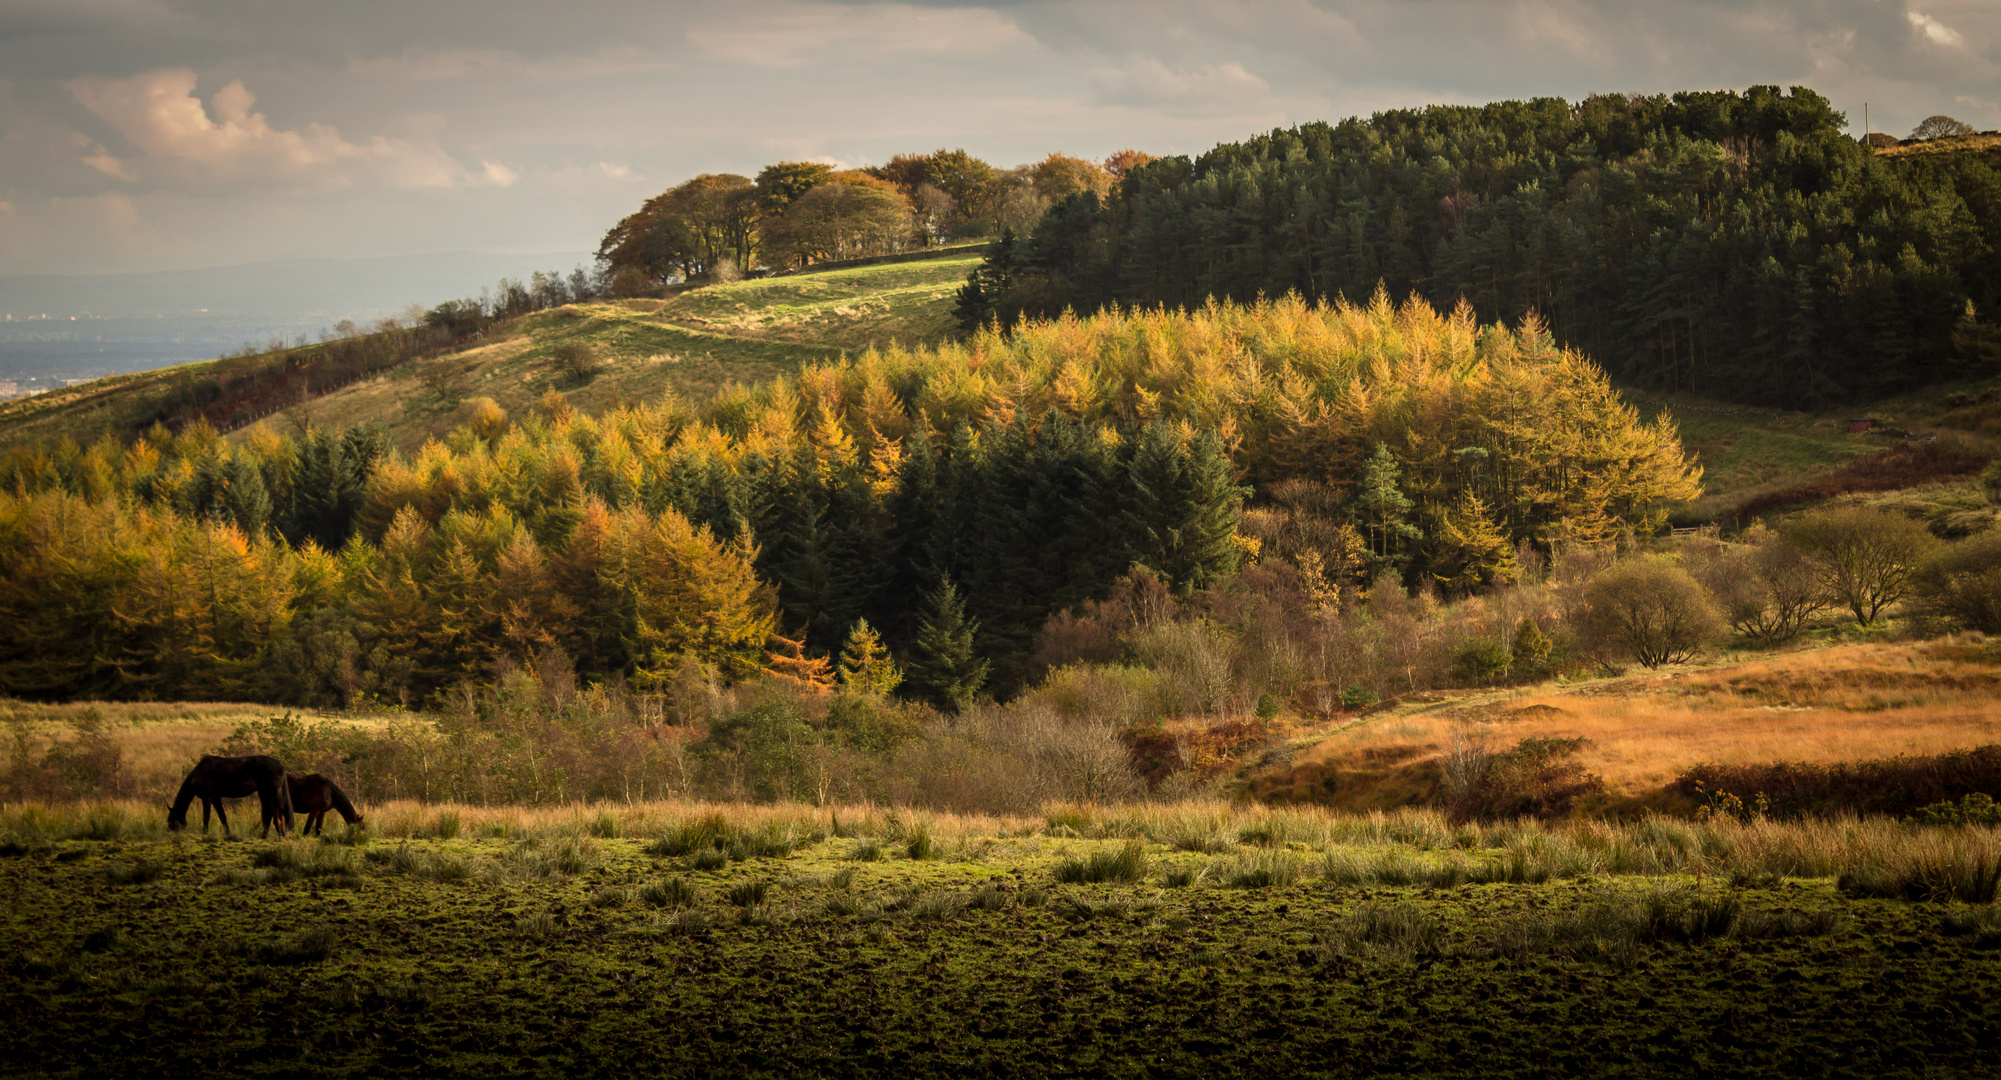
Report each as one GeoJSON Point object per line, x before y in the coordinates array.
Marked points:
{"type": "Point", "coordinates": [1185, 940]}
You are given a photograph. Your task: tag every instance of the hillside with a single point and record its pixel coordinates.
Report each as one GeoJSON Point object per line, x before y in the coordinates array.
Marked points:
{"type": "Point", "coordinates": [690, 344]}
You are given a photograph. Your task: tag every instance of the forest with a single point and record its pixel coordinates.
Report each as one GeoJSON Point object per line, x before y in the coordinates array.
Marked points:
{"type": "Point", "coordinates": [1731, 244]}
{"type": "Point", "coordinates": [972, 491]}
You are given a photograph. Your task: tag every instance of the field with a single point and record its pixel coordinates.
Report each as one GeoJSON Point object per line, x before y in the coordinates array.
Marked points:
{"type": "Point", "coordinates": [1820, 704]}
{"type": "Point", "coordinates": [1184, 941]}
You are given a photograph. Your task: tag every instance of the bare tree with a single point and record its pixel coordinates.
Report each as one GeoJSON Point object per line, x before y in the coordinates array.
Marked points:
{"type": "Point", "coordinates": [1933, 127]}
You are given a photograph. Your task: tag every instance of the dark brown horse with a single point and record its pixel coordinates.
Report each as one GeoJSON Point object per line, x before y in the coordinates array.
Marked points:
{"type": "Point", "coordinates": [313, 795]}
{"type": "Point", "coordinates": [217, 778]}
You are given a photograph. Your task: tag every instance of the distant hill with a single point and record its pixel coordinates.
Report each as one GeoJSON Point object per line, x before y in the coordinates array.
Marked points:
{"type": "Point", "coordinates": [58, 325]}
{"type": "Point", "coordinates": [691, 343]}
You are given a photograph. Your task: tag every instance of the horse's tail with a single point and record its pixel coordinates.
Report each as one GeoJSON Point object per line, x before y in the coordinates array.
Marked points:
{"type": "Point", "coordinates": [347, 811]}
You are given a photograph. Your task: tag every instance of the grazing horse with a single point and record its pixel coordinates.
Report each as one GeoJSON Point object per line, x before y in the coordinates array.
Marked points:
{"type": "Point", "coordinates": [217, 778]}
{"type": "Point", "coordinates": [313, 795]}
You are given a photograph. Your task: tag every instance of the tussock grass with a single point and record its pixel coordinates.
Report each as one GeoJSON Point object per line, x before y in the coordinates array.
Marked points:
{"type": "Point", "coordinates": [672, 891]}
{"type": "Point", "coordinates": [1128, 864]}
{"type": "Point", "coordinates": [1383, 930]}
{"type": "Point", "coordinates": [1261, 870]}
{"type": "Point", "coordinates": [748, 894]}
{"type": "Point", "coordinates": [303, 859]}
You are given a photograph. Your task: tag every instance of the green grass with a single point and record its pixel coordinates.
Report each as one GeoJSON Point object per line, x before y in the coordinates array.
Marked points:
{"type": "Point", "coordinates": [811, 963]}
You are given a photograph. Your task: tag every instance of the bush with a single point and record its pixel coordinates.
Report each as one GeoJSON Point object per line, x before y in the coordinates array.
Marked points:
{"type": "Point", "coordinates": [1650, 608]}
{"type": "Point", "coordinates": [1865, 557]}
{"type": "Point", "coordinates": [1482, 659]}
{"type": "Point", "coordinates": [1899, 786]}
{"type": "Point", "coordinates": [1537, 778]}
{"type": "Point", "coordinates": [1961, 583]}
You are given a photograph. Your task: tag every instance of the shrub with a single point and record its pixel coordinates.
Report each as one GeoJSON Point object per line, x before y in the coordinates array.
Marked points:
{"type": "Point", "coordinates": [1961, 583]}
{"type": "Point", "coordinates": [1899, 786]}
{"type": "Point", "coordinates": [1482, 659]}
{"type": "Point", "coordinates": [1975, 809]}
{"type": "Point", "coordinates": [1865, 557]}
{"type": "Point", "coordinates": [576, 363]}
{"type": "Point", "coordinates": [1650, 608]}
{"type": "Point", "coordinates": [1357, 696]}
{"type": "Point", "coordinates": [1537, 778]}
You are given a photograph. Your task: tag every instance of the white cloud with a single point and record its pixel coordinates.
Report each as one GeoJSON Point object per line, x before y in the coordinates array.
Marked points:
{"type": "Point", "coordinates": [498, 175]}
{"type": "Point", "coordinates": [800, 34]}
{"type": "Point", "coordinates": [1938, 32]}
{"type": "Point", "coordinates": [160, 115]}
{"type": "Point", "coordinates": [616, 172]}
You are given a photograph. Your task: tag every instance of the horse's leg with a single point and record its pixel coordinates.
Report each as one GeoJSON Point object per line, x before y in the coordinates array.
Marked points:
{"type": "Point", "coordinates": [220, 815]}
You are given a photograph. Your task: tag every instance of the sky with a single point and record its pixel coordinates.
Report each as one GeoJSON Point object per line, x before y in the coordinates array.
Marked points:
{"type": "Point", "coordinates": [148, 135]}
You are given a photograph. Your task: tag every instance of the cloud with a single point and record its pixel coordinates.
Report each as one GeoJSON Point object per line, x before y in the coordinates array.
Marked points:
{"type": "Point", "coordinates": [1144, 82]}
{"type": "Point", "coordinates": [801, 34]}
{"type": "Point", "coordinates": [160, 115]}
{"type": "Point", "coordinates": [498, 175]}
{"type": "Point", "coordinates": [103, 162]}
{"type": "Point", "coordinates": [616, 172]}
{"type": "Point", "coordinates": [1938, 32]}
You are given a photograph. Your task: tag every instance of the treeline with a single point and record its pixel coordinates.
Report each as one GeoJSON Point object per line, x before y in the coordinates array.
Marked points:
{"type": "Point", "coordinates": [1736, 245]}
{"type": "Point", "coordinates": [956, 499]}
{"type": "Point", "coordinates": [794, 213]}
{"type": "Point", "coordinates": [238, 390]}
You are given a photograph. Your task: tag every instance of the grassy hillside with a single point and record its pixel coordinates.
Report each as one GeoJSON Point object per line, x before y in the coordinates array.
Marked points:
{"type": "Point", "coordinates": [1748, 452]}
{"type": "Point", "coordinates": [1845, 703]}
{"type": "Point", "coordinates": [689, 344]}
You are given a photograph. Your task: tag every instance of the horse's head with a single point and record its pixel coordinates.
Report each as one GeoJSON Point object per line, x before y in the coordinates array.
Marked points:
{"type": "Point", "coordinates": [177, 817]}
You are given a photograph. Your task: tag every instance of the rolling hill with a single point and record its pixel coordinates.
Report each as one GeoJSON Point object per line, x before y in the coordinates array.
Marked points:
{"type": "Point", "coordinates": [690, 343]}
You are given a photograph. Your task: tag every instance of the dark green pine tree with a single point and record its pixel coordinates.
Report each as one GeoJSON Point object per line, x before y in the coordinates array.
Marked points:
{"type": "Point", "coordinates": [1382, 510]}
{"type": "Point", "coordinates": [944, 670]}
{"type": "Point", "coordinates": [243, 498]}
{"type": "Point", "coordinates": [979, 300]}
{"type": "Point", "coordinates": [1180, 507]}
{"type": "Point", "coordinates": [327, 486]}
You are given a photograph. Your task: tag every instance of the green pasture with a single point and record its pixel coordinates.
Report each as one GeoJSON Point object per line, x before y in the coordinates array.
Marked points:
{"type": "Point", "coordinates": [707, 951]}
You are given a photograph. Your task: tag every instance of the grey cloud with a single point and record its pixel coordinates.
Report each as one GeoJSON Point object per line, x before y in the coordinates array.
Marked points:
{"type": "Point", "coordinates": [374, 123]}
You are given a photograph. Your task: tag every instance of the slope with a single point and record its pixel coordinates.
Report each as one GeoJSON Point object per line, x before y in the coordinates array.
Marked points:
{"type": "Point", "coordinates": [597, 353]}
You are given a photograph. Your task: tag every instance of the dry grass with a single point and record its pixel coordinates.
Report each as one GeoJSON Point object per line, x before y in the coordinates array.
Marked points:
{"type": "Point", "coordinates": [1242, 843]}
{"type": "Point", "coordinates": [1842, 703]}
{"type": "Point", "coordinates": [160, 740]}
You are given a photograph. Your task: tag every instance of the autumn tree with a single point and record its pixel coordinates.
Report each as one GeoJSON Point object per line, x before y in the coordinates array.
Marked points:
{"type": "Point", "coordinates": [1865, 557]}
{"type": "Point", "coordinates": [1651, 609]}
{"type": "Point", "coordinates": [692, 230]}
{"type": "Point", "coordinates": [842, 219]}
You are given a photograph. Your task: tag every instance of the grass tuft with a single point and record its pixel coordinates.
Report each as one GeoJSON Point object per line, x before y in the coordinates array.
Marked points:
{"type": "Point", "coordinates": [672, 891]}
{"type": "Point", "coordinates": [1126, 865]}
